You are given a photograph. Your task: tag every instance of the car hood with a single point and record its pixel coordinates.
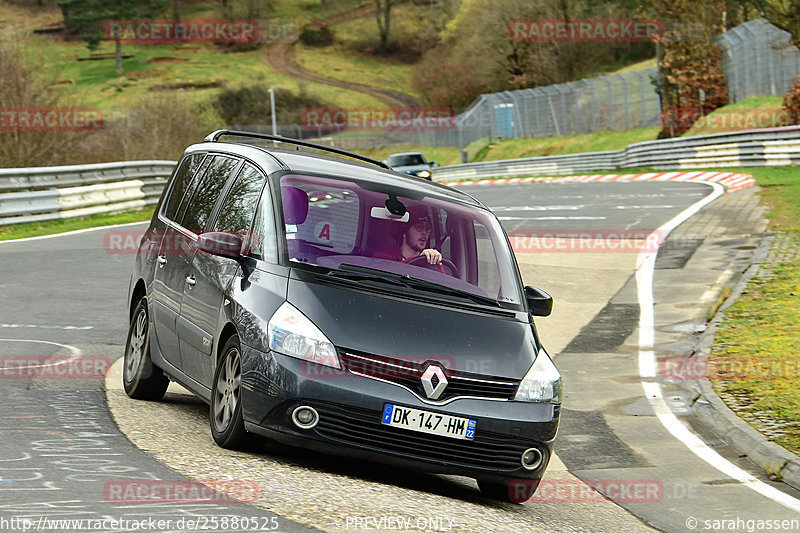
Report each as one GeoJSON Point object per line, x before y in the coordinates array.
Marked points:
{"type": "Point", "coordinates": [384, 325]}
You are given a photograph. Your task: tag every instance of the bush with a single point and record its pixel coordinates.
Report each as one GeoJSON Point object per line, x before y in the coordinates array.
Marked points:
{"type": "Point", "coordinates": [321, 36]}
{"type": "Point", "coordinates": [444, 82]}
{"type": "Point", "coordinates": [249, 105]}
{"type": "Point", "coordinates": [791, 103]}
{"type": "Point", "coordinates": [23, 90]}
{"type": "Point", "coordinates": [160, 126]}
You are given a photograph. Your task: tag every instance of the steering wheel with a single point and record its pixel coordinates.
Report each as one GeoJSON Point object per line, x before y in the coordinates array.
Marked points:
{"type": "Point", "coordinates": [445, 262]}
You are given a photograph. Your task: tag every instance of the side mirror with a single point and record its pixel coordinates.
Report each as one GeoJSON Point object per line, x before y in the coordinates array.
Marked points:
{"type": "Point", "coordinates": [433, 163]}
{"type": "Point", "coordinates": [539, 302]}
{"type": "Point", "coordinates": [220, 243]}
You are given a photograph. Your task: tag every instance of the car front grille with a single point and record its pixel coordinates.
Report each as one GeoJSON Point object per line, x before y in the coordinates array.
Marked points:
{"type": "Point", "coordinates": [409, 373]}
{"type": "Point", "coordinates": [362, 428]}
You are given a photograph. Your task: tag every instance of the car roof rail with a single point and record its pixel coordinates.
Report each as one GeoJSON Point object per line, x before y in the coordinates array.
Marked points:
{"type": "Point", "coordinates": [214, 137]}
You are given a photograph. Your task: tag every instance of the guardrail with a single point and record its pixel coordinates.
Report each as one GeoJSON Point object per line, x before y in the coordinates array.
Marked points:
{"type": "Point", "coordinates": [753, 148]}
{"type": "Point", "coordinates": [50, 193]}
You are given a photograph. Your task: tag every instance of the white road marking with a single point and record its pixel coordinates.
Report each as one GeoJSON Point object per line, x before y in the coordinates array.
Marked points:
{"type": "Point", "coordinates": [75, 232]}
{"type": "Point", "coordinates": [45, 326]}
{"type": "Point", "coordinates": [644, 207]}
{"type": "Point", "coordinates": [551, 218]}
{"type": "Point", "coordinates": [645, 269]}
{"type": "Point", "coordinates": [572, 207]}
{"type": "Point", "coordinates": [74, 350]}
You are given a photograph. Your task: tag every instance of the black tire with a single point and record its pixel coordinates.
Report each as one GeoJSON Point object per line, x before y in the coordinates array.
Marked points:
{"type": "Point", "coordinates": [141, 379]}
{"type": "Point", "coordinates": [225, 412]}
{"type": "Point", "coordinates": [514, 491]}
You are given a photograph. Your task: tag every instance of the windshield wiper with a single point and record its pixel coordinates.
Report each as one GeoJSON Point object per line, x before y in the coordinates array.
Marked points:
{"type": "Point", "coordinates": [450, 291]}
{"type": "Point", "coordinates": [358, 273]}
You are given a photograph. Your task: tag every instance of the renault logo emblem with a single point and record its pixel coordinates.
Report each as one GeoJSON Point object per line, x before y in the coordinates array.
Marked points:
{"type": "Point", "coordinates": [434, 382]}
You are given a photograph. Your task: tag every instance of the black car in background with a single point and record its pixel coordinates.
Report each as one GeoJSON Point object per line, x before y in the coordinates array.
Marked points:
{"type": "Point", "coordinates": [413, 163]}
{"type": "Point", "coordinates": [266, 285]}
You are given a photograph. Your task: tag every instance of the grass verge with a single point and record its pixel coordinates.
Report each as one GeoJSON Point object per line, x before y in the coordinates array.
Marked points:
{"type": "Point", "coordinates": [590, 142]}
{"type": "Point", "coordinates": [52, 227]}
{"type": "Point", "coordinates": [759, 339]}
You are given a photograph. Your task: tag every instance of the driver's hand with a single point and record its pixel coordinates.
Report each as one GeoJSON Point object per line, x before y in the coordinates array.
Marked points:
{"type": "Point", "coordinates": [434, 257]}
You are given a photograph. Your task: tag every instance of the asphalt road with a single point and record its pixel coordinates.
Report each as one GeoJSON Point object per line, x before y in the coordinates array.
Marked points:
{"type": "Point", "coordinates": [61, 448]}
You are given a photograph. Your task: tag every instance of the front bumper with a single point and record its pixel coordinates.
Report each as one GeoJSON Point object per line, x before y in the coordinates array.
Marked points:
{"type": "Point", "coordinates": [350, 409]}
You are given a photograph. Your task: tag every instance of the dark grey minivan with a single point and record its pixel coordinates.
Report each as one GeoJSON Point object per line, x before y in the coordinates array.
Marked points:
{"type": "Point", "coordinates": [277, 285]}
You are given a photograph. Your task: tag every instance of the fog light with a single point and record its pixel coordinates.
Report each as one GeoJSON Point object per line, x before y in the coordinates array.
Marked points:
{"type": "Point", "coordinates": [531, 458]}
{"type": "Point", "coordinates": [305, 417]}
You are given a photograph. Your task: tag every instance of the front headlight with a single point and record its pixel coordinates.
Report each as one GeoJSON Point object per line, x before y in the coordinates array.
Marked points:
{"type": "Point", "coordinates": [542, 383]}
{"type": "Point", "coordinates": [292, 334]}
{"type": "Point", "coordinates": [424, 174]}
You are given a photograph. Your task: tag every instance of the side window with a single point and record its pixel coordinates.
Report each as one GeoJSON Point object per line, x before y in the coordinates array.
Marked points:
{"type": "Point", "coordinates": [239, 206]}
{"type": "Point", "coordinates": [265, 238]}
{"type": "Point", "coordinates": [181, 183]}
{"type": "Point", "coordinates": [207, 192]}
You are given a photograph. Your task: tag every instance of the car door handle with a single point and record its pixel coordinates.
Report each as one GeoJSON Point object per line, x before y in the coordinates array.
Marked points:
{"type": "Point", "coordinates": [162, 260]}
{"type": "Point", "coordinates": [191, 281]}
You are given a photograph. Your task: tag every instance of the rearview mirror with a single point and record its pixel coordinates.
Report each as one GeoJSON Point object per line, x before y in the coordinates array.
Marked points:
{"type": "Point", "coordinates": [539, 302]}
{"type": "Point", "coordinates": [220, 243]}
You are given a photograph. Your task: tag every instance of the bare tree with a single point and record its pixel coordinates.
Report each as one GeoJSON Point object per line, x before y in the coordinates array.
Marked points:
{"type": "Point", "coordinates": [23, 89]}
{"type": "Point", "coordinates": [383, 14]}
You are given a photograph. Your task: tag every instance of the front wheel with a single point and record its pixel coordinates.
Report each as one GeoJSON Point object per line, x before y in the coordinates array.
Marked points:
{"type": "Point", "coordinates": [227, 423]}
{"type": "Point", "coordinates": [141, 379]}
{"type": "Point", "coordinates": [515, 491]}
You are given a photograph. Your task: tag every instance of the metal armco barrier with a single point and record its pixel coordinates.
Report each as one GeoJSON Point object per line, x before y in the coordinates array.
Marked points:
{"type": "Point", "coordinates": [753, 148]}
{"type": "Point", "coordinates": [50, 193]}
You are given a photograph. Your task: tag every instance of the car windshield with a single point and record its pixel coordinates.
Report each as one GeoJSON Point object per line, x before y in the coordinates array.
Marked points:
{"type": "Point", "coordinates": [405, 160]}
{"type": "Point", "coordinates": [357, 228]}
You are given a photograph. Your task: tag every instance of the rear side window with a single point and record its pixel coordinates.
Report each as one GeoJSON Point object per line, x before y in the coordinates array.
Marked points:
{"type": "Point", "coordinates": [239, 206]}
{"type": "Point", "coordinates": [180, 184]}
{"type": "Point", "coordinates": [207, 192]}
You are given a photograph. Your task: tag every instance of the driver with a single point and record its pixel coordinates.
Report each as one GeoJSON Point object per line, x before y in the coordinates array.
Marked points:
{"type": "Point", "coordinates": [413, 242]}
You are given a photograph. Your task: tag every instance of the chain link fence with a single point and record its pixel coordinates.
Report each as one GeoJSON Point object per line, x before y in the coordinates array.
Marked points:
{"type": "Point", "coordinates": [758, 60]}
{"type": "Point", "coordinates": [617, 102]}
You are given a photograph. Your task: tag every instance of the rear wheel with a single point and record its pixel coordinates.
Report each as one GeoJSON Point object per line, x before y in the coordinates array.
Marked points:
{"type": "Point", "coordinates": [515, 491]}
{"type": "Point", "coordinates": [141, 379]}
{"type": "Point", "coordinates": [227, 423]}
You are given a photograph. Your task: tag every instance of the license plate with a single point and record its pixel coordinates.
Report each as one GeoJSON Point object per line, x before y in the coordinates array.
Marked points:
{"type": "Point", "coordinates": [426, 422]}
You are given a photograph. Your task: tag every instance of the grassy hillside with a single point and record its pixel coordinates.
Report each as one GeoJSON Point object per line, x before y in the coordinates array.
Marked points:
{"type": "Point", "coordinates": [197, 71]}
{"type": "Point", "coordinates": [352, 57]}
